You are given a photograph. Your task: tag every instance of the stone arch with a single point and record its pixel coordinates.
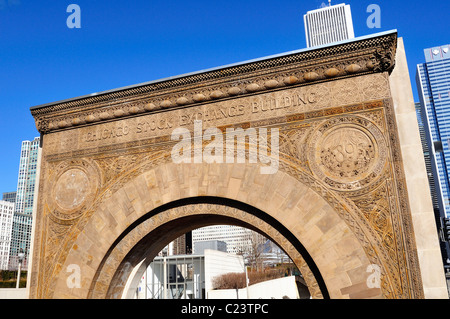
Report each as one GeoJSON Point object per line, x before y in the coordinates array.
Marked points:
{"type": "Point", "coordinates": [212, 211]}
{"type": "Point", "coordinates": [185, 215]}
{"type": "Point", "coordinates": [330, 240]}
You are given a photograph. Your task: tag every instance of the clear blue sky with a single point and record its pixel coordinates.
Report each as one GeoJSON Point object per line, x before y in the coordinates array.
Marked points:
{"type": "Point", "coordinates": [122, 43]}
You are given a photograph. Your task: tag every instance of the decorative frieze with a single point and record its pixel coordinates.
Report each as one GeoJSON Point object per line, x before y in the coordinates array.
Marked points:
{"type": "Point", "coordinates": [300, 68]}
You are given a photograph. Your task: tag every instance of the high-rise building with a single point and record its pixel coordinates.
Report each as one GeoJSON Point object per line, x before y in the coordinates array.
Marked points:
{"type": "Point", "coordinates": [328, 24]}
{"type": "Point", "coordinates": [23, 212]}
{"type": "Point", "coordinates": [6, 220]}
{"type": "Point", "coordinates": [433, 85]}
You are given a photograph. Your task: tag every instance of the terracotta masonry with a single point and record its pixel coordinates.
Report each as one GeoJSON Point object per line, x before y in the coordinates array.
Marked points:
{"type": "Point", "coordinates": [349, 202]}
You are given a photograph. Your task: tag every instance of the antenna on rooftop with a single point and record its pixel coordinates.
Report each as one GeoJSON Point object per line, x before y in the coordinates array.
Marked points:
{"type": "Point", "coordinates": [329, 3]}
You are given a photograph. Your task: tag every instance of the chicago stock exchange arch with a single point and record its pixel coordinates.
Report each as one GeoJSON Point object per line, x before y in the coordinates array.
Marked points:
{"type": "Point", "coordinates": [340, 202]}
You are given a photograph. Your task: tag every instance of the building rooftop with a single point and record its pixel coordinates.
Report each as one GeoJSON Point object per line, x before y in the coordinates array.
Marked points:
{"type": "Point", "coordinates": [437, 53]}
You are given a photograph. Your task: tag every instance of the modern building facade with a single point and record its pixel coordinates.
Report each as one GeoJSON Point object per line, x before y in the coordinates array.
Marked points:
{"type": "Point", "coordinates": [218, 245]}
{"type": "Point", "coordinates": [23, 212]}
{"type": "Point", "coordinates": [238, 239]}
{"type": "Point", "coordinates": [328, 24]}
{"type": "Point", "coordinates": [9, 197]}
{"type": "Point", "coordinates": [186, 276]}
{"type": "Point", "coordinates": [6, 221]}
{"type": "Point", "coordinates": [433, 85]}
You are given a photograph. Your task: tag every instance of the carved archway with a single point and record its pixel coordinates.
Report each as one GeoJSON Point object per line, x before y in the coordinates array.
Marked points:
{"type": "Point", "coordinates": [307, 219]}
{"type": "Point", "coordinates": [187, 215]}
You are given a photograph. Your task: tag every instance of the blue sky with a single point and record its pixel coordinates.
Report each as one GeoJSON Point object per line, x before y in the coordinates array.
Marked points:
{"type": "Point", "coordinates": [123, 43]}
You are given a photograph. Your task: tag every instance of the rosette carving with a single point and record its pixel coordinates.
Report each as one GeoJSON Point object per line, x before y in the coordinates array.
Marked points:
{"type": "Point", "coordinates": [347, 153]}
{"type": "Point", "coordinates": [74, 186]}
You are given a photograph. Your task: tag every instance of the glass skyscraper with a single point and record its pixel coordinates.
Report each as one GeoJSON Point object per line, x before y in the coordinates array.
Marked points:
{"type": "Point", "coordinates": [23, 212]}
{"type": "Point", "coordinates": [433, 85]}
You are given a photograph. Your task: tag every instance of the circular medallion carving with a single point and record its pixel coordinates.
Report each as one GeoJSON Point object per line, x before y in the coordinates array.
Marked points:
{"type": "Point", "coordinates": [74, 186]}
{"type": "Point", "coordinates": [347, 153]}
{"type": "Point", "coordinates": [71, 189]}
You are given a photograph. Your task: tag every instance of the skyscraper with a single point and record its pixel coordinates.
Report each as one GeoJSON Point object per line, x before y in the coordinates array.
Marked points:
{"type": "Point", "coordinates": [328, 24]}
{"type": "Point", "coordinates": [433, 85]}
{"type": "Point", "coordinates": [23, 212]}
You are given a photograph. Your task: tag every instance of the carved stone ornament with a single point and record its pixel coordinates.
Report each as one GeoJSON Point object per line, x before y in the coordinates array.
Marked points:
{"type": "Point", "coordinates": [347, 153]}
{"type": "Point", "coordinates": [74, 186]}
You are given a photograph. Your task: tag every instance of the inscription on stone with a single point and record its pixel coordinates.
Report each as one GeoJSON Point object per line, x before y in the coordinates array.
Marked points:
{"type": "Point", "coordinates": [217, 113]}
{"type": "Point", "coordinates": [107, 133]}
{"type": "Point", "coordinates": [264, 106]}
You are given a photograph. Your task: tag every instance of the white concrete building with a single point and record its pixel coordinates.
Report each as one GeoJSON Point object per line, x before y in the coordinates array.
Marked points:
{"type": "Point", "coordinates": [186, 276]}
{"type": "Point", "coordinates": [328, 24]}
{"type": "Point", "coordinates": [6, 221]}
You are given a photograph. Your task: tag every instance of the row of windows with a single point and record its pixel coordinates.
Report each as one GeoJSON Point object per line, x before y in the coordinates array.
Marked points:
{"type": "Point", "coordinates": [434, 74]}
{"type": "Point", "coordinates": [438, 64]}
{"type": "Point", "coordinates": [439, 79]}
{"type": "Point", "coordinates": [441, 95]}
{"type": "Point", "coordinates": [440, 87]}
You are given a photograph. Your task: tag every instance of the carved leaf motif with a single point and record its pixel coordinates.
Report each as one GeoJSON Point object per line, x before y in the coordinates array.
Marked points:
{"type": "Point", "coordinates": [375, 208]}
{"type": "Point", "coordinates": [292, 143]}
{"type": "Point", "coordinates": [374, 89]}
{"type": "Point", "coordinates": [112, 167]}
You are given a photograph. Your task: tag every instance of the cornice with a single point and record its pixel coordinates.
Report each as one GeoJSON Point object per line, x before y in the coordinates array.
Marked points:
{"type": "Point", "coordinates": [371, 54]}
